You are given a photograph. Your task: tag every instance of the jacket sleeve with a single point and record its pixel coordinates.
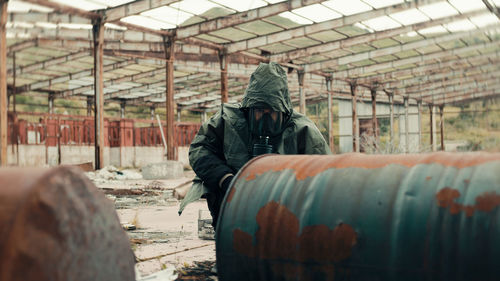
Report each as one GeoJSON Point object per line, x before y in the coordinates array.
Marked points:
{"type": "Point", "coordinates": [313, 141]}
{"type": "Point", "coordinates": [206, 153]}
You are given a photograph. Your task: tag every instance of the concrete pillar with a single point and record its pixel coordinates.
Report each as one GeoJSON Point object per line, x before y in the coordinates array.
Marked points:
{"type": "Point", "coordinates": [169, 46]}
{"type": "Point", "coordinates": [122, 109]}
{"type": "Point", "coordinates": [203, 116]}
{"type": "Point", "coordinates": [441, 125]}
{"type": "Point", "coordinates": [432, 127]}
{"type": "Point", "coordinates": [98, 36]}
{"type": "Point", "coordinates": [391, 117]}
{"type": "Point", "coordinates": [331, 141]}
{"type": "Point", "coordinates": [3, 83]}
{"type": "Point", "coordinates": [51, 103]}
{"type": "Point", "coordinates": [90, 101]}
{"type": "Point", "coordinates": [224, 97]}
{"type": "Point", "coordinates": [407, 129]}
{"type": "Point", "coordinates": [374, 114]}
{"type": "Point", "coordinates": [302, 95]}
{"type": "Point", "coordinates": [355, 130]}
{"type": "Point", "coordinates": [152, 109]}
{"type": "Point", "coordinates": [419, 108]}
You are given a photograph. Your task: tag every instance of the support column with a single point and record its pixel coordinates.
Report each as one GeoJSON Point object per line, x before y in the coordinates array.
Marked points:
{"type": "Point", "coordinates": [431, 125]}
{"type": "Point", "coordinates": [98, 36]}
{"type": "Point", "coordinates": [90, 101]}
{"type": "Point", "coordinates": [122, 109]}
{"type": "Point", "coordinates": [330, 114]}
{"type": "Point", "coordinates": [204, 116]}
{"type": "Point", "coordinates": [224, 97]}
{"type": "Point", "coordinates": [419, 108]}
{"type": "Point", "coordinates": [14, 82]}
{"type": "Point", "coordinates": [407, 125]}
{"type": "Point", "coordinates": [169, 46]}
{"type": "Point", "coordinates": [51, 103]}
{"type": "Point", "coordinates": [391, 116]}
{"type": "Point", "coordinates": [441, 125]}
{"type": "Point", "coordinates": [3, 83]}
{"type": "Point", "coordinates": [152, 109]}
{"type": "Point", "coordinates": [302, 96]}
{"type": "Point", "coordinates": [355, 130]}
{"type": "Point", "coordinates": [179, 109]}
{"type": "Point", "coordinates": [373, 92]}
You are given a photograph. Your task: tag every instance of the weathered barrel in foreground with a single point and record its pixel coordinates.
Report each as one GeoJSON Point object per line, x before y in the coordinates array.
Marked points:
{"type": "Point", "coordinates": [363, 217]}
{"type": "Point", "coordinates": [55, 225]}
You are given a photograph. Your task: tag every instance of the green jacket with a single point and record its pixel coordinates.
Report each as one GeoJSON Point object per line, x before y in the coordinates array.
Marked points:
{"type": "Point", "coordinates": [224, 144]}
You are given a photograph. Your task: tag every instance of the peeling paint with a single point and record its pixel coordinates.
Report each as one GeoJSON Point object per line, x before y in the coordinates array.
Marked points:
{"type": "Point", "coordinates": [485, 202]}
{"type": "Point", "coordinates": [278, 237]}
{"type": "Point", "coordinates": [316, 164]}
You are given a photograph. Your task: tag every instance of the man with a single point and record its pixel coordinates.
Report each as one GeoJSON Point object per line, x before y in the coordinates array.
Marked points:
{"type": "Point", "coordinates": [264, 123]}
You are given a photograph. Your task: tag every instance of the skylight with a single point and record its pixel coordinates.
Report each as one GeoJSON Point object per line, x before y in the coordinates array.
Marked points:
{"type": "Point", "coordinates": [317, 13]}
{"type": "Point", "coordinates": [22, 7]}
{"type": "Point", "coordinates": [295, 18]}
{"type": "Point", "coordinates": [196, 7]}
{"type": "Point", "coordinates": [75, 26]}
{"type": "Point", "coordinates": [438, 10]}
{"type": "Point", "coordinates": [432, 30]}
{"type": "Point", "coordinates": [46, 25]}
{"type": "Point", "coordinates": [347, 7]}
{"type": "Point", "coordinates": [274, 1]}
{"type": "Point", "coordinates": [147, 22]}
{"type": "Point", "coordinates": [112, 3]}
{"type": "Point", "coordinates": [168, 14]}
{"type": "Point", "coordinates": [114, 26]}
{"type": "Point", "coordinates": [461, 25]}
{"type": "Point", "coordinates": [381, 23]}
{"type": "Point", "coordinates": [408, 17]}
{"type": "Point", "coordinates": [82, 4]}
{"type": "Point", "coordinates": [383, 3]}
{"type": "Point", "coordinates": [467, 5]}
{"type": "Point", "coordinates": [484, 20]}
{"type": "Point", "coordinates": [241, 6]}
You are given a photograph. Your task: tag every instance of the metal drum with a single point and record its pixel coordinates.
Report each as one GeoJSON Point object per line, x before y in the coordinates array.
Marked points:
{"type": "Point", "coordinates": [55, 225]}
{"type": "Point", "coordinates": [362, 217]}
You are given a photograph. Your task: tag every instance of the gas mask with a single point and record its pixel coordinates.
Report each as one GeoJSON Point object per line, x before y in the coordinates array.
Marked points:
{"type": "Point", "coordinates": [264, 123]}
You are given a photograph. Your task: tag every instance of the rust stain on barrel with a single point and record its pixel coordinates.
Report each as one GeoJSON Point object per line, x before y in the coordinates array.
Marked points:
{"type": "Point", "coordinates": [278, 237]}
{"type": "Point", "coordinates": [316, 164]}
{"type": "Point", "coordinates": [485, 202]}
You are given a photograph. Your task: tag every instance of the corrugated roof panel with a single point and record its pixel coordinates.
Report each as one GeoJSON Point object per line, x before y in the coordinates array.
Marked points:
{"type": "Point", "coordinates": [232, 34]}
{"type": "Point", "coordinates": [259, 27]}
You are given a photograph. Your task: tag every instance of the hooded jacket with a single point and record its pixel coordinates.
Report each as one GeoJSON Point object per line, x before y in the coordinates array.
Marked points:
{"type": "Point", "coordinates": [224, 143]}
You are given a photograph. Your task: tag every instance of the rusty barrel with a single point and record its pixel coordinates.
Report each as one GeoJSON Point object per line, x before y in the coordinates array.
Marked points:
{"type": "Point", "coordinates": [55, 225]}
{"type": "Point", "coordinates": [362, 217]}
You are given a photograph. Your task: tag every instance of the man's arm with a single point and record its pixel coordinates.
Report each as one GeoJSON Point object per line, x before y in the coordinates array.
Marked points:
{"type": "Point", "coordinates": [206, 153]}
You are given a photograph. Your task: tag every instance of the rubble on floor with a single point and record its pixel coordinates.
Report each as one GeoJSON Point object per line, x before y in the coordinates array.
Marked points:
{"type": "Point", "coordinates": [159, 237]}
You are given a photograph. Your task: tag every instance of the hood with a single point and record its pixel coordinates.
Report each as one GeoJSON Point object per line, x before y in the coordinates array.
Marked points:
{"type": "Point", "coordinates": [268, 85]}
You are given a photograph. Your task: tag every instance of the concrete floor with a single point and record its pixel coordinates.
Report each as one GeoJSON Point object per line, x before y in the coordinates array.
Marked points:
{"type": "Point", "coordinates": [162, 238]}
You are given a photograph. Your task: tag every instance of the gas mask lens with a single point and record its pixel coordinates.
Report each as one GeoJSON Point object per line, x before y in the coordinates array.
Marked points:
{"type": "Point", "coordinates": [265, 121]}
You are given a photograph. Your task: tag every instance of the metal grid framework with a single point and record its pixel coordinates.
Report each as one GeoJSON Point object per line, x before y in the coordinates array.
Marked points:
{"type": "Point", "coordinates": [436, 60]}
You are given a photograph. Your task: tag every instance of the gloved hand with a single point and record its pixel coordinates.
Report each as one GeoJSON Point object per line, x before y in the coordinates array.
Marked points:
{"type": "Point", "coordinates": [226, 182]}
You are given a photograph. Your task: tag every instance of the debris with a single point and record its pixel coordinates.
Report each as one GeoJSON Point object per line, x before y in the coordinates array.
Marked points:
{"type": "Point", "coordinates": [165, 170]}
{"type": "Point", "coordinates": [168, 274]}
{"type": "Point", "coordinates": [128, 226]}
{"type": "Point", "coordinates": [199, 271]}
{"type": "Point", "coordinates": [205, 229]}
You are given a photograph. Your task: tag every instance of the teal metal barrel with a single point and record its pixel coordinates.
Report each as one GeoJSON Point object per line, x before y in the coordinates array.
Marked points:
{"type": "Point", "coordinates": [362, 217]}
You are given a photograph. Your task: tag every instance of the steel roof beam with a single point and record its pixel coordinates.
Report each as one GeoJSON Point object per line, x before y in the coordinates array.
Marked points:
{"type": "Point", "coordinates": [463, 96]}
{"type": "Point", "coordinates": [422, 71]}
{"type": "Point", "coordinates": [395, 49]}
{"type": "Point", "coordinates": [324, 48]}
{"type": "Point", "coordinates": [133, 8]}
{"type": "Point", "coordinates": [66, 9]}
{"type": "Point", "coordinates": [239, 18]}
{"type": "Point", "coordinates": [466, 84]}
{"type": "Point", "coordinates": [419, 60]}
{"type": "Point", "coordinates": [52, 61]}
{"type": "Point", "coordinates": [318, 27]}
{"type": "Point", "coordinates": [55, 17]}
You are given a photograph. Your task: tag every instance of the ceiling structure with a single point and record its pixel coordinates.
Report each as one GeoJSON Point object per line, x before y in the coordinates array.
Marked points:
{"type": "Point", "coordinates": [435, 51]}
